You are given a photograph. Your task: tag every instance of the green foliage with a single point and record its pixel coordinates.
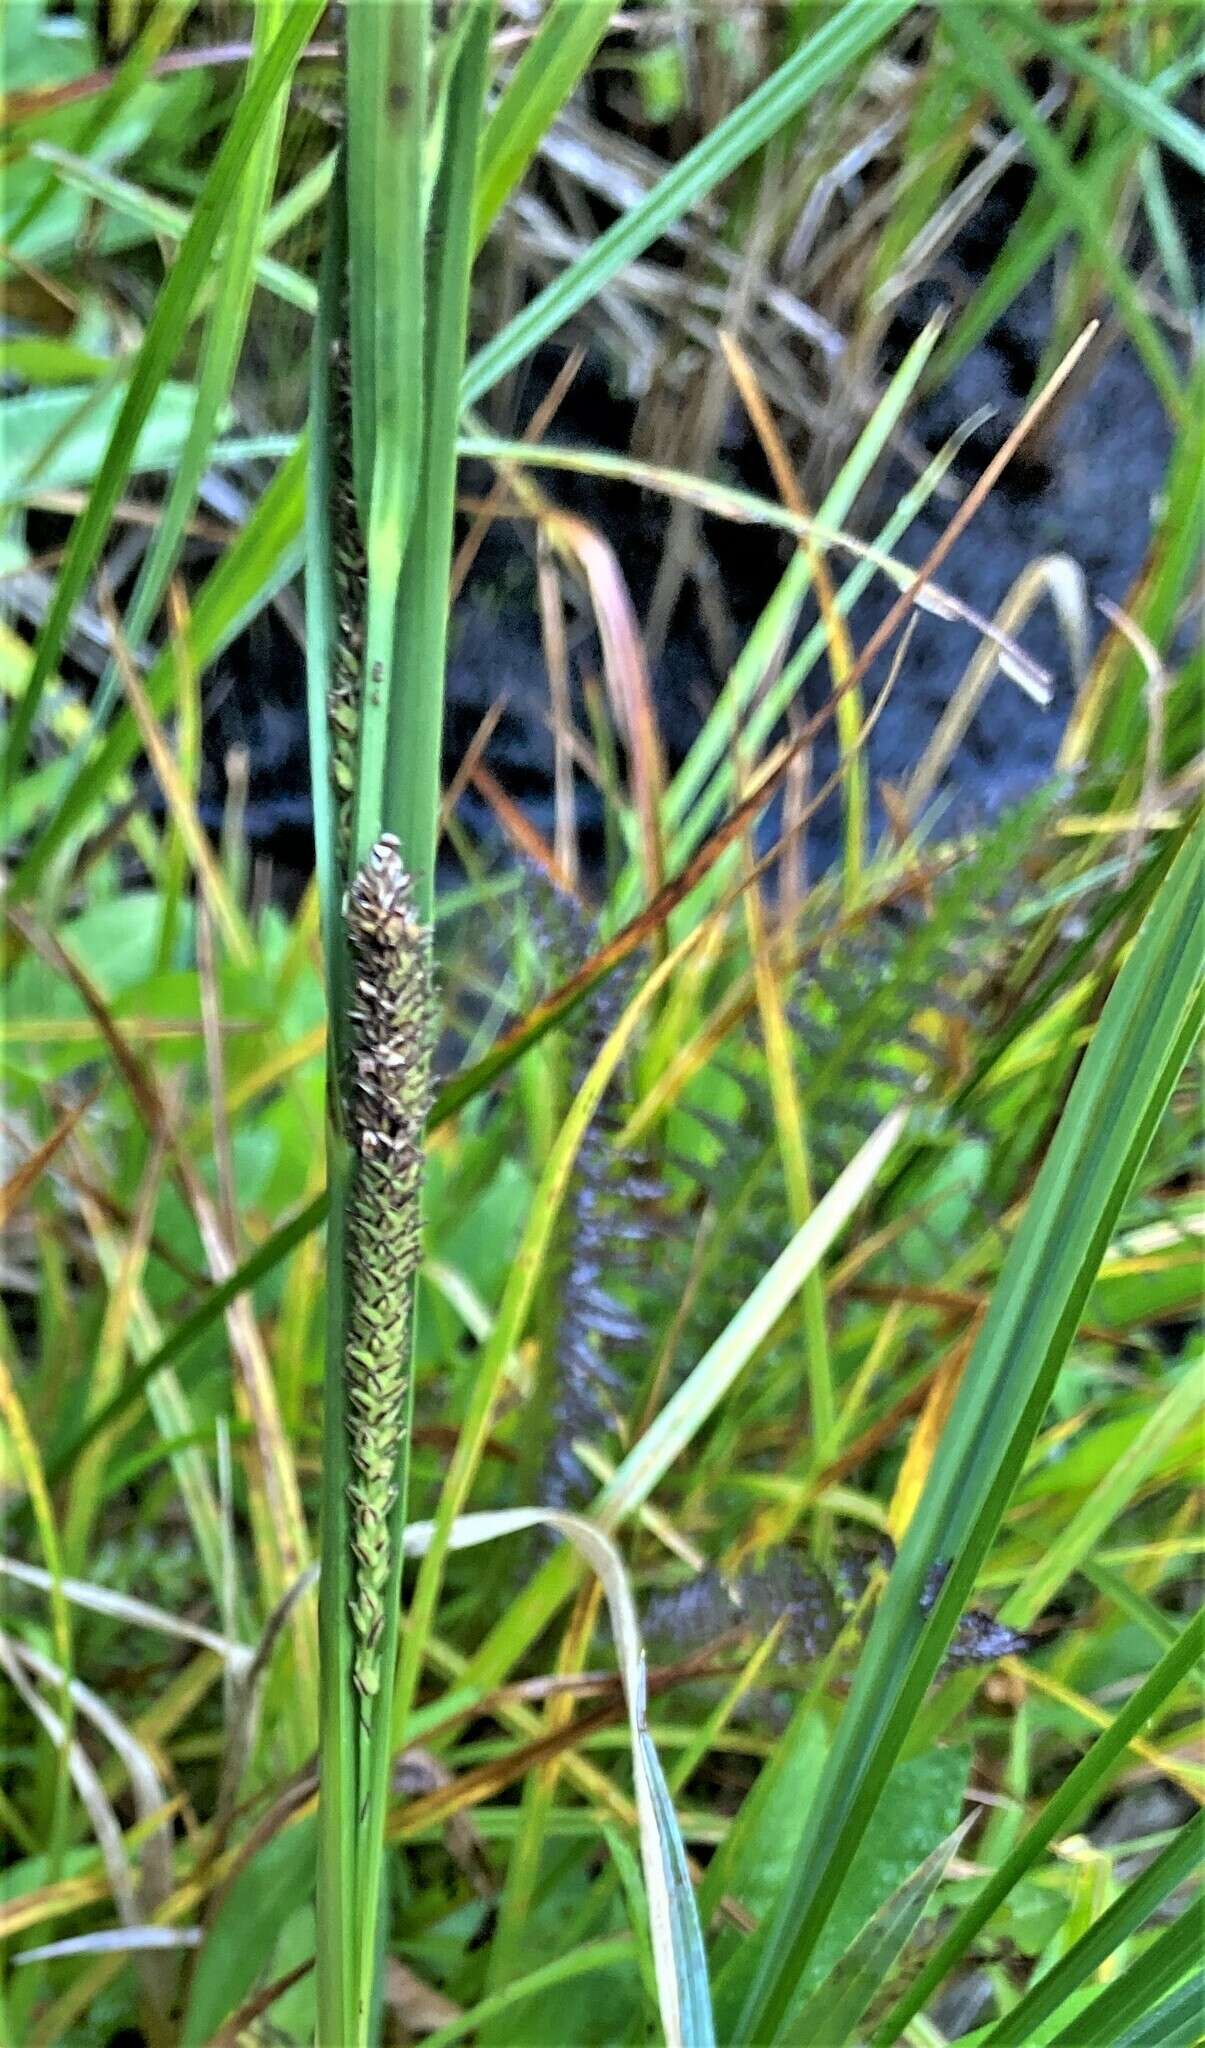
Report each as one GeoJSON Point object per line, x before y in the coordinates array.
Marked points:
{"type": "Point", "coordinates": [846, 1232]}
{"type": "Point", "coordinates": [160, 347]}
{"type": "Point", "coordinates": [246, 1931]}
{"type": "Point", "coordinates": [920, 1806]}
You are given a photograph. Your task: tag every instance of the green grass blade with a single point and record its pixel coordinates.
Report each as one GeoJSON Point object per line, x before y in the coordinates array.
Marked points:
{"type": "Point", "coordinates": [849, 34]}
{"type": "Point", "coordinates": [166, 19]}
{"type": "Point", "coordinates": [1042, 222]}
{"type": "Point", "coordinates": [1124, 1083]}
{"type": "Point", "coordinates": [388, 61]}
{"type": "Point", "coordinates": [412, 785]}
{"type": "Point", "coordinates": [727, 715]}
{"type": "Point", "coordinates": [1174, 2023]}
{"type": "Point", "coordinates": [545, 75]}
{"type": "Point", "coordinates": [1142, 104]}
{"type": "Point", "coordinates": [1173, 1417]}
{"type": "Point", "coordinates": [223, 343]}
{"type": "Point", "coordinates": [162, 217]}
{"type": "Point", "coordinates": [696, 2024]}
{"type": "Point", "coordinates": [1129, 1600]}
{"type": "Point", "coordinates": [981, 53]}
{"type": "Point", "coordinates": [1167, 231]}
{"type": "Point", "coordinates": [832, 2012]}
{"type": "Point", "coordinates": [1085, 1784]}
{"type": "Point", "coordinates": [1158, 593]}
{"type": "Point", "coordinates": [303, 198]}
{"type": "Point", "coordinates": [716, 1373]}
{"type": "Point", "coordinates": [267, 552]}
{"type": "Point", "coordinates": [1169, 1957]}
{"type": "Point", "coordinates": [155, 358]}
{"type": "Point", "coordinates": [707, 776]}
{"type": "Point", "coordinates": [190, 1329]}
{"type": "Point", "coordinates": [580, 1962]}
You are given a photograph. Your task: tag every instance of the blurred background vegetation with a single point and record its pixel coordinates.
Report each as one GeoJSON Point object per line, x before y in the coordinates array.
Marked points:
{"type": "Point", "coordinates": [729, 875]}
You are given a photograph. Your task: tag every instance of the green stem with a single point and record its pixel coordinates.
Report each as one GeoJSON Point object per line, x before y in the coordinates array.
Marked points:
{"type": "Point", "coordinates": [405, 373]}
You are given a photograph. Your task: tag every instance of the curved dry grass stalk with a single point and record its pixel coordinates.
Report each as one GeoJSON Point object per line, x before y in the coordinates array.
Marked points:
{"type": "Point", "coordinates": [93, 1797]}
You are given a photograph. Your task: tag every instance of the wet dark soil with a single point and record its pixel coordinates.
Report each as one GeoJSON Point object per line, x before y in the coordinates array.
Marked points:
{"type": "Point", "coordinates": [1086, 489]}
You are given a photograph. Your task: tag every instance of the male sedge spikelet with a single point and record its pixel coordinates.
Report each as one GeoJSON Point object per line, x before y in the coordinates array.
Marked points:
{"type": "Point", "coordinates": [387, 1096]}
{"type": "Point", "coordinates": [349, 573]}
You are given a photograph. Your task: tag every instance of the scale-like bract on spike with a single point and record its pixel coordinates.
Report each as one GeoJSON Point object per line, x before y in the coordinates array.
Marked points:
{"type": "Point", "coordinates": [387, 1088]}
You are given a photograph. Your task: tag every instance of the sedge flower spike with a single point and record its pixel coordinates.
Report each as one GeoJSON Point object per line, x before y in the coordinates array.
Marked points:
{"type": "Point", "coordinates": [387, 1088]}
{"type": "Point", "coordinates": [349, 573]}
